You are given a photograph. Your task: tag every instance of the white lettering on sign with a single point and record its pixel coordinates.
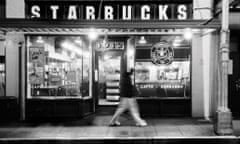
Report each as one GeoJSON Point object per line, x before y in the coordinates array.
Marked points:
{"type": "Point", "coordinates": [54, 11]}
{"type": "Point", "coordinates": [108, 13]}
{"type": "Point", "coordinates": [90, 14]}
{"type": "Point", "coordinates": [72, 13]}
{"type": "Point", "coordinates": [127, 12]}
{"type": "Point", "coordinates": [110, 45]}
{"type": "Point", "coordinates": [146, 86]}
{"type": "Point", "coordinates": [124, 12]}
{"type": "Point", "coordinates": [163, 12]}
{"type": "Point", "coordinates": [182, 14]}
{"type": "Point", "coordinates": [145, 12]}
{"type": "Point", "coordinates": [35, 11]}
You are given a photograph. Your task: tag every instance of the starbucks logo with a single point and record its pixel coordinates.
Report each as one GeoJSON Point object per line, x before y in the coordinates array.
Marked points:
{"type": "Point", "coordinates": [162, 53]}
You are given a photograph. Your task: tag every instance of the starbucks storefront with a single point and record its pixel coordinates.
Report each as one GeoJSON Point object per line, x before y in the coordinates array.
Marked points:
{"type": "Point", "coordinates": [66, 72]}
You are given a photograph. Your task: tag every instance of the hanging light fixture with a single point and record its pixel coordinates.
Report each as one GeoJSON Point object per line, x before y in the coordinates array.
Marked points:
{"type": "Point", "coordinates": [142, 40]}
{"type": "Point", "coordinates": [78, 40]}
{"type": "Point", "coordinates": [177, 41]}
{"type": "Point", "coordinates": [39, 39]}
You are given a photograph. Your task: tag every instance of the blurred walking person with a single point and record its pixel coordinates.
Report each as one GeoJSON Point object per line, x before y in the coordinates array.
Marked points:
{"type": "Point", "coordinates": [127, 101]}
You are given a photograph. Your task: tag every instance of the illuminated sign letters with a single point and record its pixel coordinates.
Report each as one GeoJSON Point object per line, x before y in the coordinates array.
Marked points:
{"type": "Point", "coordinates": [109, 11]}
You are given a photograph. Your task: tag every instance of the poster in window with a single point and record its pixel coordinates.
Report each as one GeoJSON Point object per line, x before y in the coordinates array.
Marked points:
{"type": "Point", "coordinates": [36, 76]}
{"type": "Point", "coordinates": [36, 56]}
{"type": "Point", "coordinates": [71, 76]}
{"type": "Point", "coordinates": [37, 61]}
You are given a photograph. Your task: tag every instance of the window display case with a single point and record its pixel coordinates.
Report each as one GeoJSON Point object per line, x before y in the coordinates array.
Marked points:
{"type": "Point", "coordinates": [163, 81]}
{"type": "Point", "coordinates": [157, 79]}
{"type": "Point", "coordinates": [58, 67]}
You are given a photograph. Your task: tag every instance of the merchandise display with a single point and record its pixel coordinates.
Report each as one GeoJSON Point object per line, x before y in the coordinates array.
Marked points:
{"type": "Point", "coordinates": [57, 67]}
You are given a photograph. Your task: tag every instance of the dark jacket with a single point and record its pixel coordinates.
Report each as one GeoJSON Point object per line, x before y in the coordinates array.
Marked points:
{"type": "Point", "coordinates": [126, 88]}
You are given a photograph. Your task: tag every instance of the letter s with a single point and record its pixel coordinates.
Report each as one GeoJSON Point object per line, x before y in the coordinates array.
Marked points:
{"type": "Point", "coordinates": [35, 11]}
{"type": "Point", "coordinates": [182, 12]}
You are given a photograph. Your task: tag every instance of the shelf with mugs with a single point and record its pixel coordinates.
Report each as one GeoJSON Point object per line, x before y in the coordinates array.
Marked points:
{"type": "Point", "coordinates": [112, 87]}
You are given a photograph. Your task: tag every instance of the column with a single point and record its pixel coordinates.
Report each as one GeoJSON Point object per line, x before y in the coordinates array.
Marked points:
{"type": "Point", "coordinates": [201, 58]}
{"type": "Point", "coordinates": [223, 116]}
{"type": "Point", "coordinates": [15, 83]}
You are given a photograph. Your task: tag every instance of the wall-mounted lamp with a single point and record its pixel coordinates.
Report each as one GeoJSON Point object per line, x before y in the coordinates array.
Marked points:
{"type": "Point", "coordinates": [188, 33]}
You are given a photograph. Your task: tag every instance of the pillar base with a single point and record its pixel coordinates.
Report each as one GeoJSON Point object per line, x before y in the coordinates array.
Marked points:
{"type": "Point", "coordinates": [223, 123]}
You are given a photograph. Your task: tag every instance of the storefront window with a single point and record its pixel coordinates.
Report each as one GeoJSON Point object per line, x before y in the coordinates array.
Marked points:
{"type": "Point", "coordinates": [163, 67]}
{"type": "Point", "coordinates": [58, 66]}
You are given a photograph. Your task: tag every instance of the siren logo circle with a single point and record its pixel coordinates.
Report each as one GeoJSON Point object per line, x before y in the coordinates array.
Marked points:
{"type": "Point", "coordinates": [162, 53]}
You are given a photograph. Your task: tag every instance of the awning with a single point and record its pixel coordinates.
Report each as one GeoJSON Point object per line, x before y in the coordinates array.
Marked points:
{"type": "Point", "coordinates": [169, 1]}
{"type": "Point", "coordinates": [79, 26]}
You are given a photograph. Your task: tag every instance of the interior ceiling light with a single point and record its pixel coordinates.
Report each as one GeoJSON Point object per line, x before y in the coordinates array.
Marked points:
{"type": "Point", "coordinates": [39, 39]}
{"type": "Point", "coordinates": [71, 47]}
{"type": "Point", "coordinates": [106, 57]}
{"type": "Point", "coordinates": [178, 39]}
{"type": "Point", "coordinates": [78, 40]}
{"type": "Point", "coordinates": [176, 44]}
{"type": "Point", "coordinates": [142, 40]}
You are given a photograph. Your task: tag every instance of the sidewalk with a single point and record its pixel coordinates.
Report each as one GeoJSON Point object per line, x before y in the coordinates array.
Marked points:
{"type": "Point", "coordinates": [96, 128]}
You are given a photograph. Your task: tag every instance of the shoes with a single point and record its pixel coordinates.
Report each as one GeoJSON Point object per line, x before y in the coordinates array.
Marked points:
{"type": "Point", "coordinates": [142, 123]}
{"type": "Point", "coordinates": [116, 123]}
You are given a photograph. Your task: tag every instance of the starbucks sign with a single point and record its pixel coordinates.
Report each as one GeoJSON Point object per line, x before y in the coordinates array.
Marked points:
{"type": "Point", "coordinates": [108, 10]}
{"type": "Point", "coordinates": [162, 53]}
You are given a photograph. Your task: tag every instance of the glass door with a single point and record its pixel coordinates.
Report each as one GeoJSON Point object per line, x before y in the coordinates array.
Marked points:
{"type": "Point", "coordinates": [109, 66]}
{"type": "Point", "coordinates": [234, 79]}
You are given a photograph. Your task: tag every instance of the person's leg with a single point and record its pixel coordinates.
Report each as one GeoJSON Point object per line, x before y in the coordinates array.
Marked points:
{"type": "Point", "coordinates": [135, 113]}
{"type": "Point", "coordinates": [121, 108]}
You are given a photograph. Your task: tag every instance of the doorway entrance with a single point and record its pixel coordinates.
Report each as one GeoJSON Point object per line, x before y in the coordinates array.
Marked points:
{"type": "Point", "coordinates": [234, 79]}
{"type": "Point", "coordinates": [109, 67]}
